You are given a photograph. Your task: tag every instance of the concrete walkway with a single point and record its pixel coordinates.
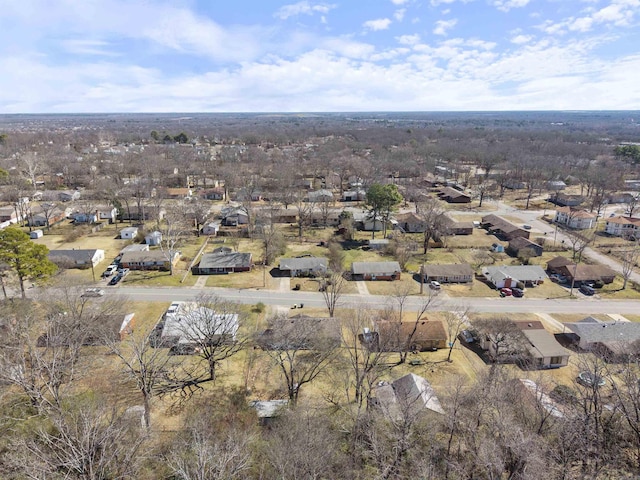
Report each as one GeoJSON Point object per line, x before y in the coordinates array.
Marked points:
{"type": "Point", "coordinates": [554, 325]}
{"type": "Point", "coordinates": [201, 282]}
{"type": "Point", "coordinates": [362, 287]}
{"type": "Point", "coordinates": [284, 284]}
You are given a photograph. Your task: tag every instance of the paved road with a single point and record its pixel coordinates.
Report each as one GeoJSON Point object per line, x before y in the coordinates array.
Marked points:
{"type": "Point", "coordinates": [311, 299]}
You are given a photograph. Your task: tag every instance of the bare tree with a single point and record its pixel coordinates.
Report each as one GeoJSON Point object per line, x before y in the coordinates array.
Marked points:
{"type": "Point", "coordinates": [579, 241]}
{"type": "Point", "coordinates": [332, 286]}
{"type": "Point", "coordinates": [174, 229]}
{"type": "Point", "coordinates": [503, 338]}
{"type": "Point", "coordinates": [301, 348]}
{"type": "Point", "coordinates": [455, 322]}
{"type": "Point", "coordinates": [629, 261]}
{"type": "Point", "coordinates": [31, 163]}
{"type": "Point", "coordinates": [48, 211]}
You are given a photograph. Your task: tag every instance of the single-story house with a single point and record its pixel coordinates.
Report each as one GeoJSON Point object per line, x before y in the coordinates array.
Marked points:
{"type": "Point", "coordinates": [213, 194]}
{"type": "Point", "coordinates": [109, 328]}
{"type": "Point", "coordinates": [556, 263]}
{"type": "Point", "coordinates": [378, 243]}
{"type": "Point", "coordinates": [147, 212]}
{"type": "Point", "coordinates": [566, 200]}
{"type": "Point", "coordinates": [232, 217]}
{"type": "Point", "coordinates": [625, 227]}
{"type": "Point", "coordinates": [39, 219]}
{"type": "Point", "coordinates": [503, 228]}
{"type": "Point", "coordinates": [392, 336]}
{"type": "Point", "coordinates": [520, 245]}
{"type": "Point", "coordinates": [84, 217]}
{"type": "Point", "coordinates": [583, 273]}
{"type": "Point", "coordinates": [9, 214]}
{"type": "Point", "coordinates": [375, 270]}
{"type": "Point", "coordinates": [223, 262]}
{"type": "Point", "coordinates": [285, 215]}
{"type": "Point", "coordinates": [354, 195]}
{"type": "Point", "coordinates": [411, 223]}
{"type": "Point", "coordinates": [459, 228]}
{"type": "Point", "coordinates": [211, 228]}
{"type": "Point", "coordinates": [76, 258]}
{"type": "Point", "coordinates": [543, 348]}
{"type": "Point", "coordinates": [108, 213]}
{"type": "Point", "coordinates": [153, 239]}
{"type": "Point", "coordinates": [304, 266]}
{"type": "Point", "coordinates": [128, 233]}
{"type": "Point", "coordinates": [449, 273]}
{"type": "Point", "coordinates": [300, 332]}
{"type": "Point", "coordinates": [178, 193]}
{"type": "Point", "coordinates": [325, 218]}
{"type": "Point", "coordinates": [514, 275]}
{"type": "Point", "coordinates": [614, 341]}
{"type": "Point", "coordinates": [135, 247]}
{"type": "Point", "coordinates": [69, 195]}
{"type": "Point", "coordinates": [556, 185]}
{"type": "Point", "coordinates": [322, 195]}
{"type": "Point", "coordinates": [187, 323]}
{"type": "Point", "coordinates": [452, 195]}
{"type": "Point", "coordinates": [151, 260]}
{"type": "Point", "coordinates": [575, 218]}
{"type": "Point", "coordinates": [409, 394]}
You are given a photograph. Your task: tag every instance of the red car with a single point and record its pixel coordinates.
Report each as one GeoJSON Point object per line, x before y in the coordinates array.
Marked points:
{"type": "Point", "coordinates": [506, 292]}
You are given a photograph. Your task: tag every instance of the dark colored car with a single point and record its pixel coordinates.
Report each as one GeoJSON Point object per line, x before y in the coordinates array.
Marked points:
{"type": "Point", "coordinates": [517, 292]}
{"type": "Point", "coordinates": [587, 290]}
{"type": "Point", "coordinates": [115, 280]}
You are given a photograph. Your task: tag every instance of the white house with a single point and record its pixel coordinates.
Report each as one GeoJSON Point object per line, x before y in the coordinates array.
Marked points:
{"type": "Point", "coordinates": [575, 218]}
{"type": "Point", "coordinates": [128, 233]}
{"type": "Point", "coordinates": [211, 228]}
{"type": "Point", "coordinates": [626, 227]}
{"type": "Point", "coordinates": [153, 238]}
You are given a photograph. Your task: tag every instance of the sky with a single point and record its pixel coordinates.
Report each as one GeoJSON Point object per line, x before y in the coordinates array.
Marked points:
{"type": "Point", "coordinates": [95, 56]}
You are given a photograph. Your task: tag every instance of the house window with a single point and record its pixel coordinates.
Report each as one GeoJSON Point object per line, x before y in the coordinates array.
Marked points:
{"type": "Point", "coordinates": [556, 360]}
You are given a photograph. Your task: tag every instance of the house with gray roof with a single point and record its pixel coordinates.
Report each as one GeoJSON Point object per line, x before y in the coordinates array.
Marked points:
{"type": "Point", "coordinates": [84, 258]}
{"type": "Point", "coordinates": [521, 246]}
{"type": "Point", "coordinates": [502, 228]}
{"type": "Point", "coordinates": [449, 273]}
{"type": "Point", "coordinates": [303, 266]}
{"type": "Point", "coordinates": [410, 393]}
{"type": "Point", "coordinates": [614, 341]}
{"type": "Point", "coordinates": [150, 260]}
{"type": "Point", "coordinates": [223, 262]}
{"type": "Point", "coordinates": [514, 275]}
{"type": "Point", "coordinates": [375, 270]}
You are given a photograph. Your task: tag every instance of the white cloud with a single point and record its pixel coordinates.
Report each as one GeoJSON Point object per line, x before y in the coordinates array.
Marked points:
{"type": "Point", "coordinates": [88, 47]}
{"type": "Point", "coordinates": [442, 26]}
{"type": "Point", "coordinates": [399, 2]}
{"type": "Point", "coordinates": [303, 8]}
{"type": "Point", "coordinates": [399, 14]}
{"type": "Point", "coordinates": [506, 5]}
{"type": "Point", "coordinates": [521, 39]}
{"type": "Point", "coordinates": [408, 39]}
{"type": "Point", "coordinates": [435, 3]}
{"type": "Point", "coordinates": [378, 24]}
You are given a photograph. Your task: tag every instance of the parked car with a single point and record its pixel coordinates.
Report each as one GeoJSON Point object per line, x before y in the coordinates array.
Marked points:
{"type": "Point", "coordinates": [517, 292]}
{"type": "Point", "coordinates": [587, 290]}
{"type": "Point", "coordinates": [93, 292]}
{"type": "Point", "coordinates": [115, 280]}
{"type": "Point", "coordinates": [111, 269]}
{"type": "Point", "coordinates": [557, 278]}
{"type": "Point", "coordinates": [123, 272]}
{"type": "Point", "coordinates": [526, 227]}
{"type": "Point", "coordinates": [183, 349]}
{"type": "Point", "coordinates": [506, 292]}
{"type": "Point", "coordinates": [589, 379]}
{"type": "Point", "coordinates": [433, 285]}
{"type": "Point", "coordinates": [467, 336]}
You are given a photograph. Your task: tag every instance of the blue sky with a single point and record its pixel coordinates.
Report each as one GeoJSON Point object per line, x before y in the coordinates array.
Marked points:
{"type": "Point", "coordinates": [60, 56]}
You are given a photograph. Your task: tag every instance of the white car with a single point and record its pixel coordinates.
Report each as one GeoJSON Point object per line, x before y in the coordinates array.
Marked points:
{"type": "Point", "coordinates": [93, 292]}
{"type": "Point", "coordinates": [433, 285]}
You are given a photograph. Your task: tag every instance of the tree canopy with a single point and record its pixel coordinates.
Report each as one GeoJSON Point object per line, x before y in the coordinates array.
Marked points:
{"type": "Point", "coordinates": [25, 258]}
{"type": "Point", "coordinates": [381, 200]}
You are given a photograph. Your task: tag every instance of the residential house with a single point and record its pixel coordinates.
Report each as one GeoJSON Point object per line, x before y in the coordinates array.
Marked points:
{"type": "Point", "coordinates": [188, 323]}
{"type": "Point", "coordinates": [153, 239]}
{"type": "Point", "coordinates": [147, 212]}
{"type": "Point", "coordinates": [556, 185]}
{"type": "Point", "coordinates": [544, 350]}
{"type": "Point", "coordinates": [76, 258]}
{"type": "Point", "coordinates": [411, 394]}
{"type": "Point", "coordinates": [614, 341]}
{"type": "Point", "coordinates": [566, 200]}
{"type": "Point", "coordinates": [454, 227]}
{"type": "Point", "coordinates": [449, 273]}
{"type": "Point", "coordinates": [322, 217]}
{"type": "Point", "coordinates": [150, 260]}
{"type": "Point", "coordinates": [392, 336]}
{"type": "Point", "coordinates": [583, 273]}
{"type": "Point", "coordinates": [357, 195]}
{"type": "Point", "coordinates": [502, 228]}
{"type": "Point", "coordinates": [177, 193]}
{"type": "Point", "coordinates": [524, 247]}
{"type": "Point", "coordinates": [39, 219]}
{"type": "Point", "coordinates": [300, 332]}
{"type": "Point", "coordinates": [319, 196]}
{"type": "Point", "coordinates": [214, 194]}
{"type": "Point", "coordinates": [234, 216]}
{"type": "Point", "coordinates": [375, 270]}
{"type": "Point", "coordinates": [556, 263]}
{"type": "Point", "coordinates": [110, 328]}
{"type": "Point", "coordinates": [625, 227]}
{"type": "Point", "coordinates": [211, 228]}
{"type": "Point", "coordinates": [452, 195]}
{"type": "Point", "coordinates": [107, 213]}
{"type": "Point", "coordinates": [508, 276]}
{"type": "Point", "coordinates": [411, 223]}
{"type": "Point", "coordinates": [84, 217]}
{"type": "Point", "coordinates": [128, 233]}
{"type": "Point", "coordinates": [378, 243]}
{"type": "Point", "coordinates": [9, 214]}
{"type": "Point", "coordinates": [303, 266]}
{"type": "Point", "coordinates": [575, 218]}
{"type": "Point", "coordinates": [68, 195]}
{"type": "Point", "coordinates": [223, 262]}
{"type": "Point", "coordinates": [135, 247]}
{"type": "Point", "coordinates": [285, 215]}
